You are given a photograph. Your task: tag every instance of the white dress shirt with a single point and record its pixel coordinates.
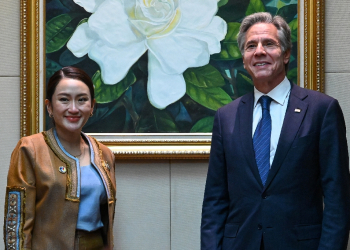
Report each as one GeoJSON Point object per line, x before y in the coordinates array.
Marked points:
{"type": "Point", "coordinates": [280, 96]}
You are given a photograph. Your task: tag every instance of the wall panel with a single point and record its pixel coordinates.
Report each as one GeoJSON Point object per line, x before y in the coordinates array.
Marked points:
{"type": "Point", "coordinates": [9, 37]}
{"type": "Point", "coordinates": [337, 36]}
{"type": "Point", "coordinates": [187, 189]}
{"type": "Point", "coordinates": [142, 217]}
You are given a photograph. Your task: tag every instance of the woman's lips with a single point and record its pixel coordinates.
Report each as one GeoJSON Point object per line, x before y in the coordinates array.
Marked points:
{"type": "Point", "coordinates": [73, 118]}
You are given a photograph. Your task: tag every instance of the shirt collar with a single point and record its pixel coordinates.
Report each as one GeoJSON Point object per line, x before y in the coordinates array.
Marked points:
{"type": "Point", "coordinates": [278, 94]}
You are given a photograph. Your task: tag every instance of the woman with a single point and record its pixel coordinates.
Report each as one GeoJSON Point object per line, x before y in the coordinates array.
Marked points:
{"type": "Point", "coordinates": [61, 186]}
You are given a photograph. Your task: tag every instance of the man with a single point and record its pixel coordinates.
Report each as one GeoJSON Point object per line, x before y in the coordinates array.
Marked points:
{"type": "Point", "coordinates": [278, 176]}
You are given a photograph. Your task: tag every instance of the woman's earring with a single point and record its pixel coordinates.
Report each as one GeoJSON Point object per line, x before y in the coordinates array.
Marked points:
{"type": "Point", "coordinates": [91, 114]}
{"type": "Point", "coordinates": [50, 115]}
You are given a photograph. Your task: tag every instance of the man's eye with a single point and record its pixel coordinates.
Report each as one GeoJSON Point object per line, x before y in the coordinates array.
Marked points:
{"type": "Point", "coordinates": [63, 99]}
{"type": "Point", "coordinates": [271, 45]}
{"type": "Point", "coordinates": [250, 46]}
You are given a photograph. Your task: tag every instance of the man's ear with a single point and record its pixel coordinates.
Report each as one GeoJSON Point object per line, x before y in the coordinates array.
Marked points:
{"type": "Point", "coordinates": [286, 56]}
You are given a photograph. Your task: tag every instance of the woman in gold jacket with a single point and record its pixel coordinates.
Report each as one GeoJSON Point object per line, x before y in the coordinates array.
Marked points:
{"type": "Point", "coordinates": [61, 185]}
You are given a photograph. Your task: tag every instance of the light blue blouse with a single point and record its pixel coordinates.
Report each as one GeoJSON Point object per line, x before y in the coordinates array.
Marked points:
{"type": "Point", "coordinates": [91, 191]}
{"type": "Point", "coordinates": [92, 194]}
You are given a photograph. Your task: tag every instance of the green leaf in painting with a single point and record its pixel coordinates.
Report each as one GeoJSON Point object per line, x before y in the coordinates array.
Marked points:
{"type": "Point", "coordinates": [156, 121]}
{"type": "Point", "coordinates": [107, 93]}
{"type": "Point", "coordinates": [51, 67]}
{"type": "Point", "coordinates": [204, 77]}
{"type": "Point", "coordinates": [229, 46]}
{"type": "Point", "coordinates": [232, 32]}
{"type": "Point", "coordinates": [204, 125]}
{"type": "Point", "coordinates": [294, 29]}
{"type": "Point", "coordinates": [99, 114]}
{"type": "Point", "coordinates": [288, 12]}
{"type": "Point", "coordinates": [289, 1]}
{"type": "Point", "coordinates": [68, 58]}
{"type": "Point", "coordinates": [292, 75]}
{"type": "Point", "coordinates": [254, 7]}
{"type": "Point", "coordinates": [222, 2]}
{"type": "Point", "coordinates": [211, 98]}
{"type": "Point", "coordinates": [246, 78]}
{"type": "Point", "coordinates": [233, 11]}
{"type": "Point", "coordinates": [58, 31]}
{"type": "Point", "coordinates": [280, 4]}
{"type": "Point", "coordinates": [83, 21]}
{"type": "Point", "coordinates": [244, 84]}
{"type": "Point", "coordinates": [229, 51]}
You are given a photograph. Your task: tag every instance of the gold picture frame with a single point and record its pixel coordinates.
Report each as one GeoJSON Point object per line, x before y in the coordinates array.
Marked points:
{"type": "Point", "coordinates": [154, 146]}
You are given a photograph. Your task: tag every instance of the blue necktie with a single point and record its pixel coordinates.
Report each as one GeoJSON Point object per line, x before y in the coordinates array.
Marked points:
{"type": "Point", "coordinates": [262, 139]}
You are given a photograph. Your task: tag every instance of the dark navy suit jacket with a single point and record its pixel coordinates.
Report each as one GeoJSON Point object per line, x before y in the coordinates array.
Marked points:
{"type": "Point", "coordinates": [305, 203]}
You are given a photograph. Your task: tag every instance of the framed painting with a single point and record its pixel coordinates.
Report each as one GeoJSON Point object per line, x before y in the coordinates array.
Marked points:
{"type": "Point", "coordinates": [160, 69]}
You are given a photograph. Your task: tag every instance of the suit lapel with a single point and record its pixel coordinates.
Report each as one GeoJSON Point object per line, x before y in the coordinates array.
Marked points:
{"type": "Point", "coordinates": [295, 113]}
{"type": "Point", "coordinates": [245, 127]}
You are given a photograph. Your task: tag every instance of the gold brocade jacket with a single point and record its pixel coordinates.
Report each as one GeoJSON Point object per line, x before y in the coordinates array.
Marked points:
{"type": "Point", "coordinates": [43, 190]}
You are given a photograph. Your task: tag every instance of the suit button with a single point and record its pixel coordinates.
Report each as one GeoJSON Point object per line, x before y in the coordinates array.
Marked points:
{"type": "Point", "coordinates": [259, 226]}
{"type": "Point", "coordinates": [265, 196]}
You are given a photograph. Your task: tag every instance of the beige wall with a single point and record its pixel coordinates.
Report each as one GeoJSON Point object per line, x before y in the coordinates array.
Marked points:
{"type": "Point", "coordinates": [9, 88]}
{"type": "Point", "coordinates": [159, 201]}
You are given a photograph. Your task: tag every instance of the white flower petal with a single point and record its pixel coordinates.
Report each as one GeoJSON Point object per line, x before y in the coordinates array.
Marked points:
{"type": "Point", "coordinates": [176, 53]}
{"type": "Point", "coordinates": [89, 5]}
{"type": "Point", "coordinates": [197, 13]}
{"type": "Point", "coordinates": [111, 24]}
{"type": "Point", "coordinates": [162, 88]}
{"type": "Point", "coordinates": [212, 34]}
{"type": "Point", "coordinates": [80, 42]}
{"type": "Point", "coordinates": [154, 18]}
{"type": "Point", "coordinates": [217, 27]}
{"type": "Point", "coordinates": [115, 62]}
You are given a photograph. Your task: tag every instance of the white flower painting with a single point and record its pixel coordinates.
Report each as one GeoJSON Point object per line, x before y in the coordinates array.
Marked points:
{"type": "Point", "coordinates": [157, 66]}
{"type": "Point", "coordinates": [175, 34]}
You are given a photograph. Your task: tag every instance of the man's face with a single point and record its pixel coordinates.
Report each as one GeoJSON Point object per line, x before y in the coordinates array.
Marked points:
{"type": "Point", "coordinates": [263, 57]}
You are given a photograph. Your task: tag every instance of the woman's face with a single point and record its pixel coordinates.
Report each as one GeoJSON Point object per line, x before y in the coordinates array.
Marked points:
{"type": "Point", "coordinates": [71, 105]}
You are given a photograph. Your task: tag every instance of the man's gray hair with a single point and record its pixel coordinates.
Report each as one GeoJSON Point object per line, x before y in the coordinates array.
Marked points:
{"type": "Point", "coordinates": [283, 30]}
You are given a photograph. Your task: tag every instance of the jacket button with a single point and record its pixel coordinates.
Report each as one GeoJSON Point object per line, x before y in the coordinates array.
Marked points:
{"type": "Point", "coordinates": [265, 196]}
{"type": "Point", "coordinates": [259, 226]}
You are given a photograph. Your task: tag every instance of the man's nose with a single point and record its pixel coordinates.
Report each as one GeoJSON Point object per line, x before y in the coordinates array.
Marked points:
{"type": "Point", "coordinates": [260, 49]}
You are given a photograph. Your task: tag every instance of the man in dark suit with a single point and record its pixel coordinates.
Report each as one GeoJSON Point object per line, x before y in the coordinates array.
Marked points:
{"type": "Point", "coordinates": [291, 190]}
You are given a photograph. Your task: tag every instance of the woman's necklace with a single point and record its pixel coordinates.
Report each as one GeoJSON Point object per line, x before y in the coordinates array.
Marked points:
{"type": "Point", "coordinates": [82, 152]}
{"type": "Point", "coordinates": [77, 156]}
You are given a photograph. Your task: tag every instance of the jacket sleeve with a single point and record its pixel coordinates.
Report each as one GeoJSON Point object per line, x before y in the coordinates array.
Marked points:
{"type": "Point", "coordinates": [20, 197]}
{"type": "Point", "coordinates": [334, 173]}
{"type": "Point", "coordinates": [216, 201]}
